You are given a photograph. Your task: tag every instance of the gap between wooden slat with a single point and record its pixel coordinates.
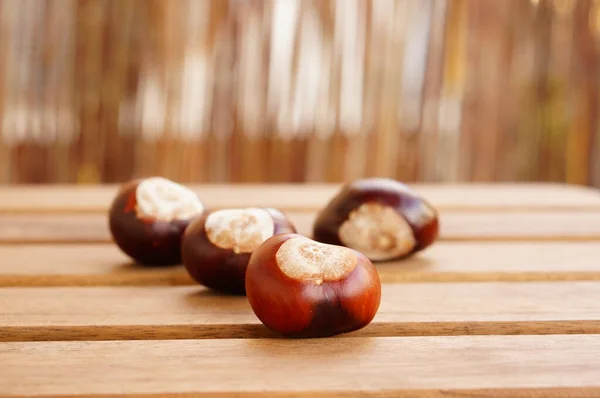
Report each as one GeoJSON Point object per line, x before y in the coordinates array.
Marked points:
{"type": "Point", "coordinates": [538, 366]}
{"type": "Point", "coordinates": [131, 313]}
{"type": "Point", "coordinates": [454, 226]}
{"type": "Point", "coordinates": [178, 277]}
{"type": "Point", "coordinates": [251, 331]}
{"type": "Point", "coordinates": [533, 392]}
{"type": "Point", "coordinates": [104, 264]}
{"type": "Point", "coordinates": [310, 197]}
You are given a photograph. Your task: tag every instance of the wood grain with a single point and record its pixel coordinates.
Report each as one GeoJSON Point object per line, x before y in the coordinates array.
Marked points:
{"type": "Point", "coordinates": [454, 226]}
{"type": "Point", "coordinates": [104, 264]}
{"type": "Point", "coordinates": [193, 312]}
{"type": "Point", "coordinates": [532, 366]}
{"type": "Point", "coordinates": [311, 197]}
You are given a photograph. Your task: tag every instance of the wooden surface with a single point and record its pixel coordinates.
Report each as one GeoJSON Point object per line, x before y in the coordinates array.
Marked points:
{"type": "Point", "coordinates": [459, 225]}
{"type": "Point", "coordinates": [302, 197]}
{"type": "Point", "coordinates": [461, 261]}
{"type": "Point", "coordinates": [441, 366]}
{"type": "Point", "coordinates": [192, 312]}
{"type": "Point", "coordinates": [507, 303]}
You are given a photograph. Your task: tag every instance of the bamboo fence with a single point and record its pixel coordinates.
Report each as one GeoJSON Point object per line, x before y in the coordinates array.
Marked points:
{"type": "Point", "coordinates": [292, 91]}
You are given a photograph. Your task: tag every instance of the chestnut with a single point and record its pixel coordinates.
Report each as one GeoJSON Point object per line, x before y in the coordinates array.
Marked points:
{"type": "Point", "coordinates": [216, 247]}
{"type": "Point", "coordinates": [148, 216]}
{"type": "Point", "coordinates": [302, 288]}
{"type": "Point", "coordinates": [382, 218]}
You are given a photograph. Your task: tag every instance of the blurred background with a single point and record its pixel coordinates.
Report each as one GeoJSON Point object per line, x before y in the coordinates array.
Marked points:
{"type": "Point", "coordinates": [299, 90]}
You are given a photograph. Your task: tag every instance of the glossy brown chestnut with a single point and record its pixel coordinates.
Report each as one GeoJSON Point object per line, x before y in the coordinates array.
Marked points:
{"type": "Point", "coordinates": [147, 219]}
{"type": "Point", "coordinates": [302, 288]}
{"type": "Point", "coordinates": [382, 218]}
{"type": "Point", "coordinates": [217, 246]}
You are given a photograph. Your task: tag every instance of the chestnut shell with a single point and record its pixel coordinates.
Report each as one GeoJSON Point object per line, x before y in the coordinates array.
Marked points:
{"type": "Point", "coordinates": [303, 309]}
{"type": "Point", "coordinates": [411, 206]}
{"type": "Point", "coordinates": [217, 268]}
{"type": "Point", "coordinates": [146, 240]}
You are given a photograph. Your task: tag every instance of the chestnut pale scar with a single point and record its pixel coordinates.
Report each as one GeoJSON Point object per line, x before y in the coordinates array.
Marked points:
{"type": "Point", "coordinates": [378, 231]}
{"type": "Point", "coordinates": [303, 259]}
{"type": "Point", "coordinates": [241, 230]}
{"type": "Point", "coordinates": [166, 200]}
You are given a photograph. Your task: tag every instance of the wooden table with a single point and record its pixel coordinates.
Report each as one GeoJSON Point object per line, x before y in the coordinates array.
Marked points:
{"type": "Point", "coordinates": [506, 303]}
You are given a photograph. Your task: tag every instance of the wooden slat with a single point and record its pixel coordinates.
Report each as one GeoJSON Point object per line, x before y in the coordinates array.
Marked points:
{"type": "Point", "coordinates": [302, 197]}
{"type": "Point", "coordinates": [104, 264]}
{"type": "Point", "coordinates": [556, 226]}
{"type": "Point", "coordinates": [121, 313]}
{"type": "Point", "coordinates": [80, 265]}
{"type": "Point", "coordinates": [54, 228]}
{"type": "Point", "coordinates": [507, 366]}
